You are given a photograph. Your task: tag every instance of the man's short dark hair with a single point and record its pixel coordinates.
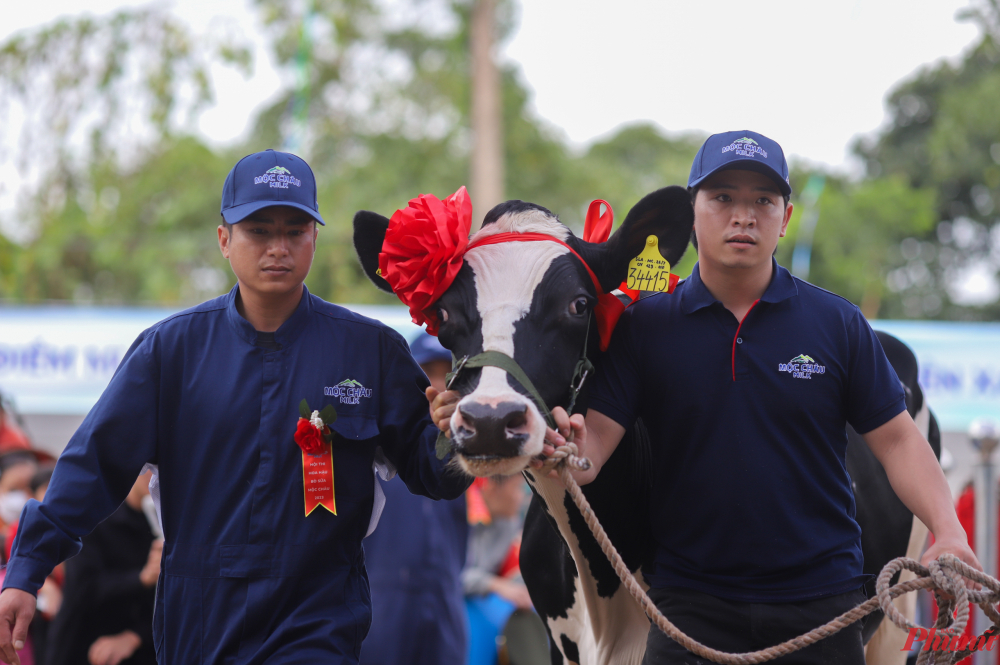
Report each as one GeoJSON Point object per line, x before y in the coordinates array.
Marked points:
{"type": "Point", "coordinates": [694, 194]}
{"type": "Point", "coordinates": [229, 227]}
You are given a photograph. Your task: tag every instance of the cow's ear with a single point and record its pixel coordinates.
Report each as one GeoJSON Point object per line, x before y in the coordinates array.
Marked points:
{"type": "Point", "coordinates": [666, 213]}
{"type": "Point", "coordinates": [369, 233]}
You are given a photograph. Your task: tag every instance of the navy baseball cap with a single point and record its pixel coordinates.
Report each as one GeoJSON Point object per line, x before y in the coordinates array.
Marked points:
{"type": "Point", "coordinates": [427, 348]}
{"type": "Point", "coordinates": [744, 150]}
{"type": "Point", "coordinates": [265, 179]}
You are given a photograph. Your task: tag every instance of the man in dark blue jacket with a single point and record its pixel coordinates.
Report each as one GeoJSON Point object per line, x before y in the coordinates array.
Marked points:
{"type": "Point", "coordinates": [210, 397]}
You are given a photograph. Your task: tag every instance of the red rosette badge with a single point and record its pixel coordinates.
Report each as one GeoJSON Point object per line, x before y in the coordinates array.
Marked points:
{"type": "Point", "coordinates": [313, 436]}
{"type": "Point", "coordinates": [309, 437]}
{"type": "Point", "coordinates": [423, 249]}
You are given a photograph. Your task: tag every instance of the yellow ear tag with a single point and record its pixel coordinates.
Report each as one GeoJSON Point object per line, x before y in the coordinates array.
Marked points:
{"type": "Point", "coordinates": [649, 271]}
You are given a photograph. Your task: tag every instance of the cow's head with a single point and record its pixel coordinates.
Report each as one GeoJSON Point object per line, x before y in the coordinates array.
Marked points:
{"type": "Point", "coordinates": [531, 301]}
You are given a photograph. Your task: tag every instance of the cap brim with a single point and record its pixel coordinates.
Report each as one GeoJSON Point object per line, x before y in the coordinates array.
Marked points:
{"type": "Point", "coordinates": [749, 165]}
{"type": "Point", "coordinates": [237, 214]}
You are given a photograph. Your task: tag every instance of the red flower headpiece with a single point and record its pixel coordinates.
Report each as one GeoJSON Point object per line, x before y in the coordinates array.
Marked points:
{"type": "Point", "coordinates": [423, 251]}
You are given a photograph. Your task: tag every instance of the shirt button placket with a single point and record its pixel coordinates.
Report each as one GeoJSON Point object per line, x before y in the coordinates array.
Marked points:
{"type": "Point", "coordinates": [261, 526]}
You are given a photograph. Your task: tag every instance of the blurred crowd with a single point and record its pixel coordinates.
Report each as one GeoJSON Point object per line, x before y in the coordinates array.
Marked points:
{"type": "Point", "coordinates": [444, 575]}
{"type": "Point", "coordinates": [97, 607]}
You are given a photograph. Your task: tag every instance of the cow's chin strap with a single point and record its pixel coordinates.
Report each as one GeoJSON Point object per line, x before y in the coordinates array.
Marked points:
{"type": "Point", "coordinates": [502, 361]}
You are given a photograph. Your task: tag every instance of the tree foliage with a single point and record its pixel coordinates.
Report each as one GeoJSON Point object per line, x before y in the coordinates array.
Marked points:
{"type": "Point", "coordinates": [124, 198]}
{"type": "Point", "coordinates": [944, 136]}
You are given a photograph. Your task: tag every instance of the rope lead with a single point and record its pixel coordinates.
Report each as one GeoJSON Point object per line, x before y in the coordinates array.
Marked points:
{"type": "Point", "coordinates": [945, 576]}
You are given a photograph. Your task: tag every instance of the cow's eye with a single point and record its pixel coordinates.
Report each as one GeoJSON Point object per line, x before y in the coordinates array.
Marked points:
{"type": "Point", "coordinates": [579, 306]}
{"type": "Point", "coordinates": [442, 315]}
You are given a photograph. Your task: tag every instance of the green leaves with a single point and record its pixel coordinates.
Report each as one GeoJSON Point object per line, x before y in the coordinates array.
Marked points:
{"type": "Point", "coordinates": [328, 414]}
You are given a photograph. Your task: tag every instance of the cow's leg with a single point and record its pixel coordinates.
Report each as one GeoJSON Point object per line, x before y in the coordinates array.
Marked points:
{"type": "Point", "coordinates": [550, 574]}
{"type": "Point", "coordinates": [885, 646]}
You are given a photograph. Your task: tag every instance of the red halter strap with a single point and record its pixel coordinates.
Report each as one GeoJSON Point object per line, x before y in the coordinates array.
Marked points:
{"type": "Point", "coordinates": [533, 237]}
{"type": "Point", "coordinates": [608, 307]}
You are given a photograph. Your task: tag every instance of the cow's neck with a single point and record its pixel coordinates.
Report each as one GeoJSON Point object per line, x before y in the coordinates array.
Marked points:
{"type": "Point", "coordinates": [618, 623]}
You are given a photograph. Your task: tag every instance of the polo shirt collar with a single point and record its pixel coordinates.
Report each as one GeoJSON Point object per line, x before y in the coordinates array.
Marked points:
{"type": "Point", "coordinates": [696, 295]}
{"type": "Point", "coordinates": [284, 335]}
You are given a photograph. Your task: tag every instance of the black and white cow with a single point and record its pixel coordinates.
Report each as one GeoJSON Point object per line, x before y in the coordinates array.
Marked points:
{"type": "Point", "coordinates": [533, 301]}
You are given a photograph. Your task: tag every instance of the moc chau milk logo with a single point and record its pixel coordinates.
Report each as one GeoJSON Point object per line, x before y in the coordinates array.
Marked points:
{"type": "Point", "coordinates": [349, 391]}
{"type": "Point", "coordinates": [802, 367]}
{"type": "Point", "coordinates": [278, 177]}
{"type": "Point", "coordinates": [745, 147]}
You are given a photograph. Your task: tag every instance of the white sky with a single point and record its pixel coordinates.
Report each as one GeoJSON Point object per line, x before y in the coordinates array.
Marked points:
{"type": "Point", "coordinates": [810, 75]}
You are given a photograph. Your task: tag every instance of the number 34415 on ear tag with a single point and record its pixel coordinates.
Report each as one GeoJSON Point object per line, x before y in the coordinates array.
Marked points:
{"type": "Point", "coordinates": [650, 271]}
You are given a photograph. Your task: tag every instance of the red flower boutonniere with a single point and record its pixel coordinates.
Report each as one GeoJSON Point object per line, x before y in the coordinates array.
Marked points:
{"type": "Point", "coordinates": [313, 430]}
{"type": "Point", "coordinates": [313, 435]}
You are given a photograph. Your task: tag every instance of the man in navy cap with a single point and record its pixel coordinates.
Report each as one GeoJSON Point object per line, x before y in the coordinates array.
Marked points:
{"type": "Point", "coordinates": [262, 560]}
{"type": "Point", "coordinates": [746, 378]}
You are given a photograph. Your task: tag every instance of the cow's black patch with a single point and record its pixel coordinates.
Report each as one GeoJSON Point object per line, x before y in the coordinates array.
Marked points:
{"type": "Point", "coordinates": [547, 567]}
{"type": "Point", "coordinates": [462, 333]}
{"type": "Point", "coordinates": [885, 521]}
{"type": "Point", "coordinates": [554, 653]}
{"type": "Point", "coordinates": [569, 648]}
{"type": "Point", "coordinates": [548, 340]}
{"type": "Point", "coordinates": [369, 234]}
{"type": "Point", "coordinates": [513, 206]}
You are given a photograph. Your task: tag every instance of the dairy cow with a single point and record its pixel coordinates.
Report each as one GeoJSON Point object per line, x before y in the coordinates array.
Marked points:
{"type": "Point", "coordinates": [534, 302]}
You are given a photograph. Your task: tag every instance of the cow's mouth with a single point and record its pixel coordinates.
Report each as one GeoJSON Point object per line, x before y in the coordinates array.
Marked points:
{"type": "Point", "coordinates": [492, 465]}
{"type": "Point", "coordinates": [496, 437]}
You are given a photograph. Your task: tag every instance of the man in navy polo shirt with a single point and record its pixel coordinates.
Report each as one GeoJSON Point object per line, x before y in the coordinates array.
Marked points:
{"type": "Point", "coordinates": [210, 397]}
{"type": "Point", "coordinates": [746, 377]}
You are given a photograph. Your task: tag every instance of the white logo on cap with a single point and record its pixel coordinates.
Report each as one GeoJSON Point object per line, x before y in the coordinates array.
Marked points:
{"type": "Point", "coordinates": [745, 147]}
{"type": "Point", "coordinates": [279, 177]}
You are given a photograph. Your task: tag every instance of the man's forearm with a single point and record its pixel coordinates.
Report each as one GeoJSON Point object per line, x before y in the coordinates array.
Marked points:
{"type": "Point", "coordinates": [916, 476]}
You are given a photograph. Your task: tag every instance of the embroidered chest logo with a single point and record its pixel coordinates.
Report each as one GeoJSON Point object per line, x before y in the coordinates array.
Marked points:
{"type": "Point", "coordinates": [802, 367]}
{"type": "Point", "coordinates": [349, 391]}
{"type": "Point", "coordinates": [278, 177]}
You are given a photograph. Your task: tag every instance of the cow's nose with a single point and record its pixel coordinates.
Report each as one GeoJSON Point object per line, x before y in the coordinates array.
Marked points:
{"type": "Point", "coordinates": [489, 423]}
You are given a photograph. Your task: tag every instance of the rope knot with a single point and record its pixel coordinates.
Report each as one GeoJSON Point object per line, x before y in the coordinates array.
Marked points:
{"type": "Point", "coordinates": [568, 455]}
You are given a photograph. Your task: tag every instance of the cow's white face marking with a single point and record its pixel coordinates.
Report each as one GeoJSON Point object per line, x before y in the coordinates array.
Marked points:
{"type": "Point", "coordinates": [506, 276]}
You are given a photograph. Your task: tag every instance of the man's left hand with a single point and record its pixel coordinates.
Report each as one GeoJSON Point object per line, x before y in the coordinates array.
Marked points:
{"type": "Point", "coordinates": [113, 649]}
{"type": "Point", "coordinates": [956, 545]}
{"type": "Point", "coordinates": [442, 406]}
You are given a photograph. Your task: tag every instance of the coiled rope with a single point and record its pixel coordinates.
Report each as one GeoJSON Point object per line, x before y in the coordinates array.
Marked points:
{"type": "Point", "coordinates": [945, 576]}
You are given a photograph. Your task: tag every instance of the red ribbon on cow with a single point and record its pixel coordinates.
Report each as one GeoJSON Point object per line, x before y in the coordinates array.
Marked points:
{"type": "Point", "coordinates": [423, 249]}
{"type": "Point", "coordinates": [609, 308]}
